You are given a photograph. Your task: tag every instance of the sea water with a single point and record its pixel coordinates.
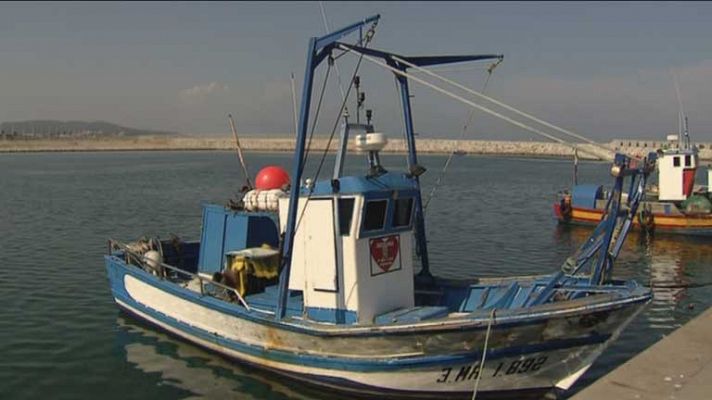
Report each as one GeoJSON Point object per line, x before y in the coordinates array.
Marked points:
{"type": "Point", "coordinates": [62, 336]}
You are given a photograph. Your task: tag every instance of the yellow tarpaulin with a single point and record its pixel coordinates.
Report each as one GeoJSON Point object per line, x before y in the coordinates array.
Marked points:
{"type": "Point", "coordinates": [261, 262]}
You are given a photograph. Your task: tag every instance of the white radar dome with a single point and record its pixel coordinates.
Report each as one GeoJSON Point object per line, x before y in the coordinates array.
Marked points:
{"type": "Point", "coordinates": [371, 141]}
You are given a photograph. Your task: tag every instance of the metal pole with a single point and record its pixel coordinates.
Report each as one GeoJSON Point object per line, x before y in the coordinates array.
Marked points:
{"type": "Point", "coordinates": [421, 242]}
{"type": "Point", "coordinates": [294, 190]}
{"type": "Point", "coordinates": [239, 151]}
{"type": "Point", "coordinates": [294, 106]}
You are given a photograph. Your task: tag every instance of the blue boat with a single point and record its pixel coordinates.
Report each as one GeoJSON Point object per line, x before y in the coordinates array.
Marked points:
{"type": "Point", "coordinates": [321, 286]}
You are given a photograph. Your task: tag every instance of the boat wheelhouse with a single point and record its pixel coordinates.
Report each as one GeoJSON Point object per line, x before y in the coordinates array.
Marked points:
{"type": "Point", "coordinates": [675, 205]}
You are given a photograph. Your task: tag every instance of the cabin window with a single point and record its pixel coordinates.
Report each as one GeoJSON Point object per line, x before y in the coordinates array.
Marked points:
{"type": "Point", "coordinates": [346, 212]}
{"type": "Point", "coordinates": [676, 161]}
{"type": "Point", "coordinates": [375, 215]}
{"type": "Point", "coordinates": [402, 212]}
{"type": "Point", "coordinates": [688, 161]}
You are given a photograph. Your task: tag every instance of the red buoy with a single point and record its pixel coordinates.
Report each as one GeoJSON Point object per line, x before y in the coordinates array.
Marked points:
{"type": "Point", "coordinates": [271, 177]}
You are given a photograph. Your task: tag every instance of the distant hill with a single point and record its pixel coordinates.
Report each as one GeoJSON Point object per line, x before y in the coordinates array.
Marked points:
{"type": "Point", "coordinates": [50, 128]}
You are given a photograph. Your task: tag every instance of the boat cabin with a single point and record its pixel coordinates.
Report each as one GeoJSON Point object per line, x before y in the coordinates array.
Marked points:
{"type": "Point", "coordinates": [353, 258]}
{"type": "Point", "coordinates": [676, 171]}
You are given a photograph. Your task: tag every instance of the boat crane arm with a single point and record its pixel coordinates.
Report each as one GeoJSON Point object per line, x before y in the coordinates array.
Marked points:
{"type": "Point", "coordinates": [420, 61]}
{"type": "Point", "coordinates": [603, 246]}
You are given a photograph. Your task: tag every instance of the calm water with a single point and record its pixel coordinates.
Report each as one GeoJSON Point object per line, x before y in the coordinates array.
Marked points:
{"type": "Point", "coordinates": [62, 337]}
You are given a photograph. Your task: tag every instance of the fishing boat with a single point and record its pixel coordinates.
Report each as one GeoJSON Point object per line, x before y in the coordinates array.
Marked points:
{"type": "Point", "coordinates": [315, 279]}
{"type": "Point", "coordinates": [675, 205]}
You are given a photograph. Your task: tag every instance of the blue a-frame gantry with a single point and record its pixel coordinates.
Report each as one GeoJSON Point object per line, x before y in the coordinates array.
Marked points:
{"type": "Point", "coordinates": [319, 49]}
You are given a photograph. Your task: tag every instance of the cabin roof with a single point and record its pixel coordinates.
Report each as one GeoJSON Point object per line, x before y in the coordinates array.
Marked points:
{"type": "Point", "coordinates": [363, 184]}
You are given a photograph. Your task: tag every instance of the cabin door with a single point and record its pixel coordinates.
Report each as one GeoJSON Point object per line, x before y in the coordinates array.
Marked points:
{"type": "Point", "coordinates": [320, 246]}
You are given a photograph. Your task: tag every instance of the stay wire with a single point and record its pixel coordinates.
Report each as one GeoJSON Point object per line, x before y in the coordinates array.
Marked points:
{"type": "Point", "coordinates": [316, 115]}
{"type": "Point", "coordinates": [478, 106]}
{"type": "Point", "coordinates": [471, 115]}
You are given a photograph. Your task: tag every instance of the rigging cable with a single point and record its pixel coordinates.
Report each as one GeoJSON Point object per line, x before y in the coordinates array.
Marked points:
{"type": "Point", "coordinates": [475, 105]}
{"type": "Point", "coordinates": [328, 31]}
{"type": "Point", "coordinates": [503, 105]}
{"type": "Point", "coordinates": [471, 115]}
{"type": "Point", "coordinates": [316, 115]}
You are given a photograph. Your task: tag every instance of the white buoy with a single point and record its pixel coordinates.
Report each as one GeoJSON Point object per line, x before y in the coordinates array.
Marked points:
{"type": "Point", "coordinates": [153, 260]}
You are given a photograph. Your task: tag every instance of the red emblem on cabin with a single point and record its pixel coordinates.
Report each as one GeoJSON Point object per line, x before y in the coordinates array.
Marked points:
{"type": "Point", "coordinates": [384, 251]}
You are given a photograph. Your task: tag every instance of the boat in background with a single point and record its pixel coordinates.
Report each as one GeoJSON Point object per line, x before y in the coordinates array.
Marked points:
{"type": "Point", "coordinates": [675, 205]}
{"type": "Point", "coordinates": [320, 285]}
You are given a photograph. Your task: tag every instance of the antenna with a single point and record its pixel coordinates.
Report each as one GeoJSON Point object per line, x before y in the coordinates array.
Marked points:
{"type": "Point", "coordinates": [681, 118]}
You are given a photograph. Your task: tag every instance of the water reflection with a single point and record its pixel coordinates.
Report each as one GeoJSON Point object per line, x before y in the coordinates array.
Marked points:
{"type": "Point", "coordinates": [199, 373]}
{"type": "Point", "coordinates": [670, 265]}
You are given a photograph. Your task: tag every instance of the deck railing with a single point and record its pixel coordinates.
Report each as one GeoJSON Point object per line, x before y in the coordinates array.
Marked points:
{"type": "Point", "coordinates": [116, 245]}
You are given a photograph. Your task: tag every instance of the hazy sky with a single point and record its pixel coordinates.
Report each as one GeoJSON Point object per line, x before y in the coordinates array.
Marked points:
{"type": "Point", "coordinates": [601, 69]}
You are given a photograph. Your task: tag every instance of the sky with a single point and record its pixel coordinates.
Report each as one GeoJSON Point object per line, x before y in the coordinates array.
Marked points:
{"type": "Point", "coordinates": [600, 69]}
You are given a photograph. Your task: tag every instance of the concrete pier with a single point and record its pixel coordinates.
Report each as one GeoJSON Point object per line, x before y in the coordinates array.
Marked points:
{"type": "Point", "coordinates": [286, 144]}
{"type": "Point", "coordinates": [677, 367]}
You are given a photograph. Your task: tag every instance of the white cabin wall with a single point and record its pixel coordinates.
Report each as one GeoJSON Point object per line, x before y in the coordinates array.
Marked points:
{"type": "Point", "coordinates": [297, 279]}
{"type": "Point", "coordinates": [387, 291]}
{"type": "Point", "coordinates": [350, 272]}
{"type": "Point", "coordinates": [670, 179]}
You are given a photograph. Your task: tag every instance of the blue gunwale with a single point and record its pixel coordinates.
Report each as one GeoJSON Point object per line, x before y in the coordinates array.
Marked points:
{"type": "Point", "coordinates": [358, 365]}
{"type": "Point", "coordinates": [470, 321]}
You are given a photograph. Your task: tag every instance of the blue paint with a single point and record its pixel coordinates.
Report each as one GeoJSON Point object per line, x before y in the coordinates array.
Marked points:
{"type": "Point", "coordinates": [388, 182]}
{"type": "Point", "coordinates": [336, 35]}
{"type": "Point", "coordinates": [116, 269]}
{"type": "Point", "coordinates": [332, 315]}
{"type": "Point", "coordinates": [365, 364]}
{"type": "Point", "coordinates": [226, 230]}
{"type": "Point", "coordinates": [268, 301]}
{"type": "Point", "coordinates": [411, 315]}
{"type": "Point", "coordinates": [585, 195]}
{"type": "Point", "coordinates": [298, 165]}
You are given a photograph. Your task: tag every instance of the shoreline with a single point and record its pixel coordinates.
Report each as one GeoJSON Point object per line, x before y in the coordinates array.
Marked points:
{"type": "Point", "coordinates": [286, 145]}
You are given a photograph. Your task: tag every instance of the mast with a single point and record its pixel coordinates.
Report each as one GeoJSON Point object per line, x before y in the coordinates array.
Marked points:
{"type": "Point", "coordinates": [421, 242]}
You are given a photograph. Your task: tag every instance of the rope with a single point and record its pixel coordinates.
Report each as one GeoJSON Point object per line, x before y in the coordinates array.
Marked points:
{"type": "Point", "coordinates": [473, 104]}
{"type": "Point", "coordinates": [462, 136]}
{"type": "Point", "coordinates": [484, 354]}
{"type": "Point", "coordinates": [503, 105]}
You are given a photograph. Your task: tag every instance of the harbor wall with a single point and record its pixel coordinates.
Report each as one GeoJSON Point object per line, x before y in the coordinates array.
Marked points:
{"type": "Point", "coordinates": [261, 144]}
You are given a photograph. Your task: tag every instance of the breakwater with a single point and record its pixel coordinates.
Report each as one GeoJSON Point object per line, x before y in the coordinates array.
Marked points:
{"type": "Point", "coordinates": [262, 144]}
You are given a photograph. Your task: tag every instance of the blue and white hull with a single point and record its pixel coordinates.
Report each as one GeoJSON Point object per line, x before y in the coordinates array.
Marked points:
{"type": "Point", "coordinates": [528, 354]}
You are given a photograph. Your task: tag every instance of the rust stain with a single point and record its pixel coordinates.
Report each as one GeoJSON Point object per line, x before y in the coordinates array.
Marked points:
{"type": "Point", "coordinates": [273, 339]}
